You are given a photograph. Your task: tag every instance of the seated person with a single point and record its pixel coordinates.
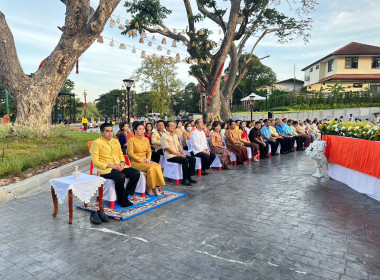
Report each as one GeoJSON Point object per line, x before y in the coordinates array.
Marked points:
{"type": "Point", "coordinates": [300, 139]}
{"type": "Point", "coordinates": [148, 131]}
{"type": "Point", "coordinates": [309, 130]}
{"type": "Point", "coordinates": [108, 158]}
{"type": "Point", "coordinates": [200, 148]}
{"type": "Point", "coordinates": [156, 141]}
{"type": "Point", "coordinates": [282, 141]}
{"type": "Point", "coordinates": [173, 153]}
{"type": "Point", "coordinates": [186, 135]}
{"type": "Point", "coordinates": [315, 129]}
{"type": "Point", "coordinates": [179, 129]}
{"type": "Point", "coordinates": [243, 138]}
{"type": "Point", "coordinates": [122, 136]}
{"type": "Point", "coordinates": [255, 137]}
{"type": "Point", "coordinates": [131, 134]}
{"type": "Point", "coordinates": [139, 153]}
{"type": "Point", "coordinates": [223, 129]}
{"type": "Point", "coordinates": [216, 146]}
{"type": "Point", "coordinates": [234, 144]}
{"type": "Point", "coordinates": [289, 141]}
{"type": "Point", "coordinates": [266, 134]}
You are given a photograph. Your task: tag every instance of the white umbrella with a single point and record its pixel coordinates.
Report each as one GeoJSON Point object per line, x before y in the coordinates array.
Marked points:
{"type": "Point", "coordinates": [245, 99]}
{"type": "Point", "coordinates": [255, 97]}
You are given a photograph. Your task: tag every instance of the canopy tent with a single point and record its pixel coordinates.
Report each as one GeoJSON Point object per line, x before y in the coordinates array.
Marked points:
{"type": "Point", "coordinates": [256, 97]}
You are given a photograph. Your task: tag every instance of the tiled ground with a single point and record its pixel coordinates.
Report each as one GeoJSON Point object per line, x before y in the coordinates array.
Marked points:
{"type": "Point", "coordinates": [266, 220]}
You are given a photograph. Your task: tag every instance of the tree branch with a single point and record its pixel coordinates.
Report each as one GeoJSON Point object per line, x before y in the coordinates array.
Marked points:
{"type": "Point", "coordinates": [244, 69]}
{"type": "Point", "coordinates": [211, 16]}
{"type": "Point", "coordinates": [77, 13]}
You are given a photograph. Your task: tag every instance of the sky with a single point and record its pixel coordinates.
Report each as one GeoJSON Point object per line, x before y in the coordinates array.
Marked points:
{"type": "Point", "coordinates": [103, 67]}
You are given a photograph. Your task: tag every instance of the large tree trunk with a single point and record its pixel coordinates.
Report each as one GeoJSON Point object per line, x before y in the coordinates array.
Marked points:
{"type": "Point", "coordinates": [35, 96]}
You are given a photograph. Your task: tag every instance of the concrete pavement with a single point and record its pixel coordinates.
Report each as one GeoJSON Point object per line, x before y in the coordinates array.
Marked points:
{"type": "Point", "coordinates": [266, 220]}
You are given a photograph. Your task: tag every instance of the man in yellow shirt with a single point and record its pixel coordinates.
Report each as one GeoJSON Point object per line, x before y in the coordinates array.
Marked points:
{"type": "Point", "coordinates": [108, 158]}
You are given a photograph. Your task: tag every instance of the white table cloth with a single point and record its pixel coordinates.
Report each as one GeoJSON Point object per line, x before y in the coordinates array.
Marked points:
{"type": "Point", "coordinates": [83, 188]}
{"type": "Point", "coordinates": [360, 182]}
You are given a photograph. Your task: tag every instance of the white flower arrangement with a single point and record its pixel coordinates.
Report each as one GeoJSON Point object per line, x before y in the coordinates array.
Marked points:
{"type": "Point", "coordinates": [364, 130]}
{"type": "Point", "coordinates": [316, 151]}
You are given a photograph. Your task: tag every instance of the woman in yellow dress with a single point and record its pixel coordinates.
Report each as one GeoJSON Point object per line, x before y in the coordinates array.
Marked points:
{"type": "Point", "coordinates": [139, 152]}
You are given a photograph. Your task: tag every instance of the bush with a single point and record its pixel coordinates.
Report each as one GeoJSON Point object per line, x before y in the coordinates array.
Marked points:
{"type": "Point", "coordinates": [5, 131]}
{"type": "Point", "coordinates": [60, 130]}
{"type": "Point", "coordinates": [25, 132]}
{"type": "Point", "coordinates": [281, 109]}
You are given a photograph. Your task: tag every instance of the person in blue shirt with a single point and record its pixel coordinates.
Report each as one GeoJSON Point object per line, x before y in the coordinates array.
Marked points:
{"type": "Point", "coordinates": [288, 140]}
{"type": "Point", "coordinates": [267, 137]}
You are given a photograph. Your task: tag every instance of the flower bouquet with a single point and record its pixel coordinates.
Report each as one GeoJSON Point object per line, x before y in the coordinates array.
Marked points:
{"type": "Point", "coordinates": [316, 151]}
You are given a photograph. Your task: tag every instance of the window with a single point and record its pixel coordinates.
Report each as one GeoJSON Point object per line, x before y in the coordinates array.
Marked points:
{"type": "Point", "coordinates": [317, 67]}
{"type": "Point", "coordinates": [330, 65]}
{"type": "Point", "coordinates": [375, 62]}
{"type": "Point", "coordinates": [311, 69]}
{"type": "Point", "coordinates": [358, 85]}
{"type": "Point", "coordinates": [352, 62]}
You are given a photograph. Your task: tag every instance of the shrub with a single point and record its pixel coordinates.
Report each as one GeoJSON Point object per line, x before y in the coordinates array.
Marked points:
{"type": "Point", "coordinates": [60, 130]}
{"type": "Point", "coordinates": [5, 131]}
{"type": "Point", "coordinates": [25, 132]}
{"type": "Point", "coordinates": [281, 109]}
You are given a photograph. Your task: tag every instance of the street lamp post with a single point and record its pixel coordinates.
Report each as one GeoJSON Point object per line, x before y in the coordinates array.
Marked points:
{"type": "Point", "coordinates": [204, 95]}
{"type": "Point", "coordinates": [128, 84]}
{"type": "Point", "coordinates": [85, 102]}
{"type": "Point", "coordinates": [118, 107]}
{"type": "Point", "coordinates": [252, 103]}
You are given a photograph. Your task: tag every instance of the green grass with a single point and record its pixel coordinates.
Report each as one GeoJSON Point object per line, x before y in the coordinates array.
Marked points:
{"type": "Point", "coordinates": [19, 154]}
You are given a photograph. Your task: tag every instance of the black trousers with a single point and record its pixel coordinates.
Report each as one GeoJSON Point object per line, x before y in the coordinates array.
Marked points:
{"type": "Point", "coordinates": [300, 140]}
{"type": "Point", "coordinates": [188, 165]}
{"type": "Point", "coordinates": [119, 178]}
{"type": "Point", "coordinates": [263, 149]}
{"type": "Point", "coordinates": [285, 144]}
{"type": "Point", "coordinates": [156, 155]}
{"type": "Point", "coordinates": [206, 159]}
{"type": "Point", "coordinates": [273, 146]}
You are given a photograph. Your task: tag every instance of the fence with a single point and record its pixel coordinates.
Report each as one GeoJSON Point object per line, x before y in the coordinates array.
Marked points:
{"type": "Point", "coordinates": [315, 101]}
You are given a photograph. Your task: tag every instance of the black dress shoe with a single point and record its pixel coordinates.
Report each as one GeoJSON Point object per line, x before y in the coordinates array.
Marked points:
{"type": "Point", "coordinates": [191, 180]}
{"type": "Point", "coordinates": [95, 219]}
{"type": "Point", "coordinates": [186, 182]}
{"type": "Point", "coordinates": [103, 216]}
{"type": "Point", "coordinates": [204, 173]}
{"type": "Point", "coordinates": [127, 203]}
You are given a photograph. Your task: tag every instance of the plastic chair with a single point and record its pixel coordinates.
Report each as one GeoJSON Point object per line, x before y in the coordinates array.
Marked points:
{"type": "Point", "coordinates": [171, 170]}
{"type": "Point", "coordinates": [198, 161]}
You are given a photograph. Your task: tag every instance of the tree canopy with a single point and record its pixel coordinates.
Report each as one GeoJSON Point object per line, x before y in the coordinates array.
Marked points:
{"type": "Point", "coordinates": [238, 20]}
{"type": "Point", "coordinates": [159, 77]}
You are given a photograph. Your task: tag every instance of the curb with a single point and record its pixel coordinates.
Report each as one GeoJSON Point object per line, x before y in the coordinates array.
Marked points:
{"type": "Point", "coordinates": [19, 189]}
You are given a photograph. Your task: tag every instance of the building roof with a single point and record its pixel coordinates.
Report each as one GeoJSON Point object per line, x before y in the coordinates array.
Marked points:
{"type": "Point", "coordinates": [289, 80]}
{"type": "Point", "coordinates": [352, 48]}
{"type": "Point", "coordinates": [352, 77]}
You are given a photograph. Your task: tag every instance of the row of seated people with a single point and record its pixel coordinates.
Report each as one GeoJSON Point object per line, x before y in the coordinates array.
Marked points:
{"type": "Point", "coordinates": [107, 156]}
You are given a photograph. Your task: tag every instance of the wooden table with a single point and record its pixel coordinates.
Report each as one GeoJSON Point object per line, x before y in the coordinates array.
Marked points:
{"type": "Point", "coordinates": [84, 189]}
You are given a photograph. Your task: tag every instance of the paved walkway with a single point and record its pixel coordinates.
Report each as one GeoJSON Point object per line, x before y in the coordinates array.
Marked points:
{"type": "Point", "coordinates": [267, 220]}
